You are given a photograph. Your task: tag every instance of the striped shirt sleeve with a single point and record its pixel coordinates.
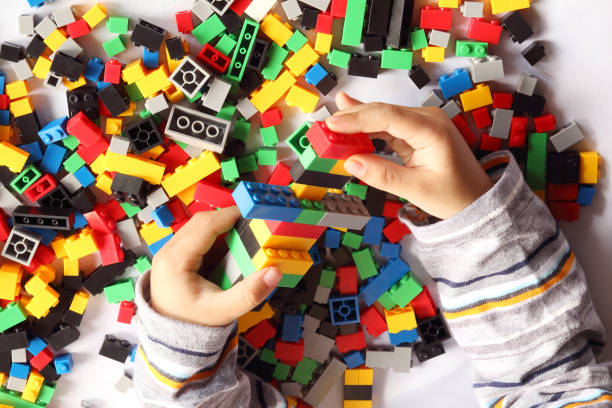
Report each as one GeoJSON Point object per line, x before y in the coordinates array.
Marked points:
{"type": "Point", "coordinates": [515, 297]}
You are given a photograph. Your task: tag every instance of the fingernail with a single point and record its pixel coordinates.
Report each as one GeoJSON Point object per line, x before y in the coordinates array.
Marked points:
{"type": "Point", "coordinates": [355, 167]}
{"type": "Point", "coordinates": [272, 277]}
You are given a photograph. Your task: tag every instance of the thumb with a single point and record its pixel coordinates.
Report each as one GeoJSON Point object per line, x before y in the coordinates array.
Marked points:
{"type": "Point", "coordinates": [379, 173]}
{"type": "Point", "coordinates": [251, 291]}
{"type": "Point", "coordinates": [343, 101]}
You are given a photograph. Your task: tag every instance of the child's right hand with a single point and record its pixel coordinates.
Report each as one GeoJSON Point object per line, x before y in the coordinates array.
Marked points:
{"type": "Point", "coordinates": [440, 174]}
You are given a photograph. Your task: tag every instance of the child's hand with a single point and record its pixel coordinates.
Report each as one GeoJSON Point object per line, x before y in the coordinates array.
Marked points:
{"type": "Point", "coordinates": [177, 291]}
{"type": "Point", "coordinates": [440, 174]}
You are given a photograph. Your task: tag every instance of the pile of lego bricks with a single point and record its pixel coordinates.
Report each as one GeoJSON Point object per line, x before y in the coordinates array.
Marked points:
{"type": "Point", "coordinates": [173, 144]}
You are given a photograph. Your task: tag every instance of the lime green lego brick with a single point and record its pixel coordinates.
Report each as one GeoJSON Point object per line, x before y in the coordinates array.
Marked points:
{"type": "Point", "coordinates": [70, 142]}
{"type": "Point", "coordinates": [133, 92]}
{"type": "Point", "coordinates": [328, 277]}
{"type": "Point", "coordinates": [339, 58]}
{"type": "Point", "coordinates": [353, 22]}
{"type": "Point", "coordinates": [130, 210]}
{"type": "Point", "coordinates": [535, 172]}
{"type": "Point", "coordinates": [473, 49]}
{"type": "Point", "coordinates": [45, 394]}
{"type": "Point", "coordinates": [114, 46]}
{"type": "Point", "coordinates": [245, 43]}
{"type": "Point", "coordinates": [297, 141]}
{"type": "Point", "coordinates": [226, 44]}
{"type": "Point", "coordinates": [220, 278]}
{"type": "Point", "coordinates": [266, 156]}
{"type": "Point", "coordinates": [303, 371]}
{"type": "Point", "coordinates": [281, 371]}
{"type": "Point", "coordinates": [271, 71]}
{"type": "Point", "coordinates": [118, 24]}
{"type": "Point", "coordinates": [242, 128]}
{"type": "Point", "coordinates": [396, 59]}
{"type": "Point", "coordinates": [120, 290]}
{"type": "Point", "coordinates": [195, 98]}
{"type": "Point", "coordinates": [181, 144]}
{"type": "Point", "coordinates": [269, 137]}
{"type": "Point", "coordinates": [73, 163]}
{"type": "Point", "coordinates": [209, 29]}
{"type": "Point", "coordinates": [227, 112]}
{"type": "Point", "coordinates": [229, 169]}
{"type": "Point", "coordinates": [144, 114]}
{"type": "Point", "coordinates": [12, 315]}
{"type": "Point", "coordinates": [276, 56]}
{"type": "Point", "coordinates": [312, 212]}
{"type": "Point", "coordinates": [311, 161]}
{"type": "Point", "coordinates": [267, 356]}
{"type": "Point", "coordinates": [352, 240]}
{"type": "Point", "coordinates": [143, 264]}
{"type": "Point", "coordinates": [25, 179]}
{"type": "Point", "coordinates": [405, 290]}
{"type": "Point", "coordinates": [356, 189]}
{"type": "Point", "coordinates": [239, 252]}
{"type": "Point", "coordinates": [289, 280]}
{"type": "Point", "coordinates": [365, 263]}
{"type": "Point", "coordinates": [296, 41]}
{"type": "Point", "coordinates": [13, 399]}
{"type": "Point", "coordinates": [418, 39]}
{"type": "Point", "coordinates": [386, 301]}
{"type": "Point", "coordinates": [247, 163]}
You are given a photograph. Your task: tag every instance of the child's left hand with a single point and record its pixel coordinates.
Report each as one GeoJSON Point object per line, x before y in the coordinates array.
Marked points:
{"type": "Point", "coordinates": [179, 292]}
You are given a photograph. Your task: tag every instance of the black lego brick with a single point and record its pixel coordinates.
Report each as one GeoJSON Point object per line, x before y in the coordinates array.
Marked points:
{"type": "Point", "coordinates": [363, 66]}
{"type": "Point", "coordinates": [147, 35]}
{"type": "Point", "coordinates": [516, 25]}
{"type": "Point", "coordinates": [326, 84]}
{"type": "Point", "coordinates": [5, 361]}
{"type": "Point", "coordinates": [104, 275]}
{"type": "Point", "coordinates": [143, 134]}
{"type": "Point", "coordinates": [64, 336]}
{"type": "Point", "coordinates": [83, 200]}
{"type": "Point", "coordinates": [251, 80]}
{"type": "Point", "coordinates": [426, 352]}
{"type": "Point", "coordinates": [83, 99]}
{"type": "Point", "coordinates": [67, 66]}
{"type": "Point", "coordinates": [42, 217]}
{"type": "Point", "coordinates": [357, 392]}
{"type": "Point", "coordinates": [28, 126]}
{"type": "Point", "coordinates": [129, 189]}
{"type": "Point", "coordinates": [13, 340]}
{"type": "Point", "coordinates": [45, 326]}
{"type": "Point", "coordinates": [534, 53]}
{"type": "Point", "coordinates": [56, 198]}
{"type": "Point", "coordinates": [116, 349]}
{"type": "Point", "coordinates": [261, 369]}
{"type": "Point", "coordinates": [72, 282]}
{"type": "Point", "coordinates": [231, 21]}
{"type": "Point", "coordinates": [258, 54]}
{"type": "Point", "coordinates": [564, 167]}
{"type": "Point", "coordinates": [398, 35]}
{"type": "Point", "coordinates": [378, 21]}
{"type": "Point", "coordinates": [373, 43]}
{"type": "Point", "coordinates": [49, 373]}
{"type": "Point", "coordinates": [418, 76]}
{"type": "Point", "coordinates": [36, 47]}
{"type": "Point", "coordinates": [530, 105]}
{"type": "Point", "coordinates": [433, 330]}
{"type": "Point", "coordinates": [309, 18]}
{"type": "Point", "coordinates": [115, 102]}
{"type": "Point", "coordinates": [175, 48]}
{"type": "Point", "coordinates": [316, 178]}
{"type": "Point", "coordinates": [72, 318]}
{"type": "Point", "coordinates": [11, 52]}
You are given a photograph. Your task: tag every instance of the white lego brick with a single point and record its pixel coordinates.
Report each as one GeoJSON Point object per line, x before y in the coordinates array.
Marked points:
{"type": "Point", "coordinates": [258, 9]}
{"type": "Point", "coordinates": [45, 27]}
{"type": "Point", "coordinates": [317, 346]}
{"type": "Point", "coordinates": [486, 69]}
{"type": "Point", "coordinates": [526, 84]}
{"type": "Point", "coordinates": [231, 268]}
{"type": "Point", "coordinates": [218, 90]}
{"type": "Point", "coordinates": [63, 16]}
{"type": "Point", "coordinates": [19, 356]}
{"type": "Point", "coordinates": [53, 81]}
{"type": "Point", "coordinates": [322, 294]}
{"type": "Point", "coordinates": [16, 384]}
{"type": "Point", "coordinates": [473, 9]}
{"type": "Point", "coordinates": [157, 197]}
{"type": "Point", "coordinates": [320, 114]}
{"type": "Point", "coordinates": [439, 38]}
{"type": "Point", "coordinates": [502, 120]}
{"type": "Point", "coordinates": [433, 98]}
{"type": "Point", "coordinates": [292, 9]}
{"type": "Point", "coordinates": [8, 202]}
{"type": "Point", "coordinates": [318, 4]}
{"type": "Point", "coordinates": [291, 388]}
{"type": "Point", "coordinates": [202, 9]}
{"type": "Point", "coordinates": [326, 381]}
{"type": "Point", "coordinates": [451, 109]}
{"type": "Point", "coordinates": [119, 145]}
{"type": "Point", "coordinates": [246, 108]}
{"type": "Point", "coordinates": [124, 384]}
{"type": "Point", "coordinates": [157, 104]}
{"type": "Point", "coordinates": [26, 24]}
{"type": "Point", "coordinates": [380, 357]}
{"type": "Point", "coordinates": [22, 70]}
{"type": "Point", "coordinates": [311, 323]}
{"type": "Point", "coordinates": [402, 358]}
{"type": "Point", "coordinates": [144, 215]}
{"type": "Point", "coordinates": [193, 151]}
{"type": "Point", "coordinates": [71, 183]}
{"type": "Point", "coordinates": [71, 47]}
{"type": "Point", "coordinates": [566, 137]}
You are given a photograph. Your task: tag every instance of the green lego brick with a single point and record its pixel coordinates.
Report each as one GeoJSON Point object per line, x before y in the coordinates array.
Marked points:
{"type": "Point", "coordinates": [365, 263]}
{"type": "Point", "coordinates": [351, 240]}
{"type": "Point", "coordinates": [339, 58]}
{"type": "Point", "coordinates": [130, 210]}
{"type": "Point", "coordinates": [312, 212]}
{"type": "Point", "coordinates": [45, 394]}
{"type": "Point", "coordinates": [281, 371]}
{"type": "Point", "coordinates": [328, 277]}
{"type": "Point", "coordinates": [133, 92]}
{"type": "Point", "coordinates": [267, 356]}
{"type": "Point", "coordinates": [266, 156]}
{"type": "Point", "coordinates": [229, 169]}
{"type": "Point", "coordinates": [473, 49]}
{"type": "Point", "coordinates": [120, 290]}
{"type": "Point", "coordinates": [242, 128]}
{"type": "Point", "coordinates": [289, 280]}
{"type": "Point", "coordinates": [353, 22]}
{"type": "Point", "coordinates": [181, 144]}
{"type": "Point", "coordinates": [73, 163]}
{"type": "Point", "coordinates": [70, 142]}
{"type": "Point", "coordinates": [311, 161]}
{"type": "Point", "coordinates": [114, 46]}
{"type": "Point", "coordinates": [243, 50]}
{"type": "Point", "coordinates": [209, 29]}
{"type": "Point", "coordinates": [117, 24]}
{"type": "Point", "coordinates": [356, 189]}
{"type": "Point", "coordinates": [418, 39]}
{"type": "Point", "coordinates": [143, 264]}
{"type": "Point", "coordinates": [405, 290]}
{"type": "Point", "coordinates": [226, 44]}
{"type": "Point", "coordinates": [303, 371]}
{"type": "Point", "coordinates": [144, 114]}
{"type": "Point", "coordinates": [386, 301]}
{"type": "Point", "coordinates": [219, 277]}
{"type": "Point", "coordinates": [13, 399]}
{"type": "Point", "coordinates": [297, 141]}
{"type": "Point", "coordinates": [535, 172]}
{"type": "Point", "coordinates": [276, 56]}
{"type": "Point", "coordinates": [271, 71]}
{"type": "Point", "coordinates": [239, 252]}
{"type": "Point", "coordinates": [25, 179]}
{"type": "Point", "coordinates": [195, 97]}
{"type": "Point", "coordinates": [296, 41]}
{"type": "Point", "coordinates": [396, 59]}
{"type": "Point", "coordinates": [12, 315]}
{"type": "Point", "coordinates": [227, 112]}
{"type": "Point", "coordinates": [247, 163]}
{"type": "Point", "coordinates": [269, 137]}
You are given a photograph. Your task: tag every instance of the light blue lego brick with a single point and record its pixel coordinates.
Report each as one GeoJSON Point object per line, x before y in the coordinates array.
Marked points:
{"type": "Point", "coordinates": [46, 235]}
{"type": "Point", "coordinates": [36, 345]}
{"type": "Point", "coordinates": [102, 85]}
{"type": "Point", "coordinates": [2, 82]}
{"type": "Point", "coordinates": [150, 59]}
{"type": "Point", "coordinates": [585, 195]}
{"type": "Point", "coordinates": [372, 233]}
{"type": "Point", "coordinates": [292, 327]}
{"type": "Point", "coordinates": [405, 336]}
{"type": "Point", "coordinates": [266, 201]}
{"type": "Point", "coordinates": [162, 216]}
{"type": "Point", "coordinates": [455, 83]}
{"type": "Point", "coordinates": [315, 74]}
{"type": "Point", "coordinates": [36, 3]}
{"type": "Point", "coordinates": [79, 220]}
{"type": "Point", "coordinates": [52, 160]}
{"type": "Point", "coordinates": [34, 150]}
{"type": "Point", "coordinates": [54, 130]}
{"type": "Point", "coordinates": [387, 276]}
{"type": "Point", "coordinates": [389, 250]}
{"type": "Point", "coordinates": [344, 310]}
{"type": "Point", "coordinates": [353, 359]}
{"type": "Point", "coordinates": [63, 363]}
{"type": "Point", "coordinates": [133, 353]}
{"type": "Point", "coordinates": [332, 238]}
{"type": "Point", "coordinates": [94, 69]}
{"type": "Point", "coordinates": [85, 177]}
{"type": "Point", "coordinates": [156, 246]}
{"type": "Point", "coordinates": [19, 370]}
{"type": "Point", "coordinates": [5, 117]}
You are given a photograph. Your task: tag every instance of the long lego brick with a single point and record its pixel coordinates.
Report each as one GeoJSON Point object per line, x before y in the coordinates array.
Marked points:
{"type": "Point", "coordinates": [353, 22]}
{"type": "Point", "coordinates": [317, 178]}
{"type": "Point", "coordinates": [273, 91]}
{"type": "Point", "coordinates": [239, 253]}
{"type": "Point", "coordinates": [388, 276]}
{"type": "Point", "coordinates": [265, 238]}
{"type": "Point", "coordinates": [258, 200]}
{"type": "Point", "coordinates": [132, 165]}
{"type": "Point", "coordinates": [213, 194]}
{"type": "Point", "coordinates": [289, 261]}
{"type": "Point", "coordinates": [536, 161]}
{"type": "Point", "coordinates": [330, 376]}
{"type": "Point", "coordinates": [187, 175]}
{"type": "Point", "coordinates": [294, 230]}
{"type": "Point", "coordinates": [243, 50]}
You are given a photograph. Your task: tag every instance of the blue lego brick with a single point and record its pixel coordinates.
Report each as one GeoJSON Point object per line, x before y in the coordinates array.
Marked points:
{"type": "Point", "coordinates": [315, 74]}
{"type": "Point", "coordinates": [94, 69]}
{"type": "Point", "coordinates": [387, 276]}
{"type": "Point", "coordinates": [63, 363]}
{"type": "Point", "coordinates": [157, 245]}
{"type": "Point", "coordinates": [102, 85]}
{"type": "Point", "coordinates": [315, 255]}
{"type": "Point", "coordinates": [19, 370]}
{"type": "Point", "coordinates": [266, 201]}
{"type": "Point", "coordinates": [150, 59]}
{"type": "Point", "coordinates": [36, 345]}
{"type": "Point", "coordinates": [292, 327]}
{"type": "Point", "coordinates": [585, 195]}
{"type": "Point", "coordinates": [53, 158]}
{"type": "Point", "coordinates": [2, 82]}
{"type": "Point", "coordinates": [344, 310]}
{"type": "Point", "coordinates": [405, 336]}
{"type": "Point", "coordinates": [85, 177]}
{"type": "Point", "coordinates": [389, 250]}
{"type": "Point", "coordinates": [133, 353]}
{"type": "Point", "coordinates": [36, 3]}
{"type": "Point", "coordinates": [455, 83]}
{"type": "Point", "coordinates": [332, 238]}
{"type": "Point", "coordinates": [162, 216]}
{"type": "Point", "coordinates": [47, 235]}
{"type": "Point", "coordinates": [5, 117]}
{"type": "Point", "coordinates": [372, 233]}
{"type": "Point", "coordinates": [271, 294]}
{"type": "Point", "coordinates": [54, 130]}
{"type": "Point", "coordinates": [354, 359]}
{"type": "Point", "coordinates": [79, 220]}
{"type": "Point", "coordinates": [34, 150]}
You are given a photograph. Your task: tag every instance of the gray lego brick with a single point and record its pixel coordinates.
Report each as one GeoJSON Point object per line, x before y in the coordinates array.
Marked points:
{"type": "Point", "coordinates": [8, 202]}
{"type": "Point", "coordinates": [486, 69]}
{"type": "Point", "coordinates": [258, 9]}
{"type": "Point", "coordinates": [502, 120]}
{"type": "Point", "coordinates": [22, 70]}
{"type": "Point", "coordinates": [331, 374]}
{"type": "Point", "coordinates": [380, 357]}
{"type": "Point", "coordinates": [318, 4]}
{"type": "Point", "coordinates": [157, 198]}
{"type": "Point", "coordinates": [246, 108]}
{"type": "Point", "coordinates": [202, 9]}
{"type": "Point", "coordinates": [472, 9]}
{"type": "Point", "coordinates": [197, 129]}
{"type": "Point", "coordinates": [345, 211]}
{"type": "Point", "coordinates": [216, 95]}
{"type": "Point", "coordinates": [292, 9]}
{"type": "Point", "coordinates": [129, 234]}
{"type": "Point", "coordinates": [320, 114]}
{"type": "Point", "coordinates": [144, 215]}
{"type": "Point", "coordinates": [71, 47]}
{"type": "Point", "coordinates": [157, 104]}
{"type": "Point", "coordinates": [71, 183]}
{"type": "Point", "coordinates": [526, 84]}
{"type": "Point", "coordinates": [63, 16]}
{"type": "Point", "coordinates": [26, 24]}
{"type": "Point", "coordinates": [16, 384]}
{"type": "Point", "coordinates": [433, 98]}
{"type": "Point", "coordinates": [124, 384]}
{"type": "Point", "coordinates": [193, 151]}
{"type": "Point", "coordinates": [19, 356]}
{"type": "Point", "coordinates": [189, 77]}
{"type": "Point", "coordinates": [402, 359]}
{"type": "Point", "coordinates": [566, 137]}
{"type": "Point", "coordinates": [311, 323]}
{"type": "Point", "coordinates": [322, 294]}
{"type": "Point", "coordinates": [317, 346]}
{"type": "Point", "coordinates": [219, 6]}
{"type": "Point", "coordinates": [291, 388]}
{"type": "Point", "coordinates": [231, 268]}
{"type": "Point", "coordinates": [119, 145]}
{"type": "Point", "coordinates": [451, 109]}
{"type": "Point", "coordinates": [45, 27]}
{"type": "Point", "coordinates": [439, 38]}
{"type": "Point", "coordinates": [21, 246]}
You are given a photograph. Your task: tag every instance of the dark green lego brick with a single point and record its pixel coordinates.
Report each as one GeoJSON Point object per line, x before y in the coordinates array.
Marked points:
{"type": "Point", "coordinates": [303, 371]}
{"type": "Point", "coordinates": [242, 127]}
{"type": "Point", "coordinates": [296, 41]}
{"type": "Point", "coordinates": [311, 161]}
{"type": "Point", "coordinates": [356, 189]}
{"type": "Point", "coordinates": [266, 156]}
{"type": "Point", "coordinates": [130, 210]}
{"type": "Point", "coordinates": [297, 141]}
{"type": "Point", "coordinates": [473, 49]}
{"type": "Point", "coordinates": [209, 29]}
{"type": "Point", "coordinates": [312, 212]}
{"type": "Point", "coordinates": [70, 142]}
{"type": "Point", "coordinates": [352, 240]}
{"type": "Point", "coordinates": [25, 179]}
{"type": "Point", "coordinates": [365, 263]}
{"type": "Point", "coordinates": [227, 111]}
{"type": "Point", "coordinates": [328, 277]}
{"type": "Point", "coordinates": [229, 169]}
{"type": "Point", "coordinates": [535, 172]}
{"type": "Point", "coordinates": [226, 44]}
{"type": "Point", "coordinates": [267, 356]}
{"type": "Point", "coordinates": [269, 137]}
{"type": "Point", "coordinates": [396, 59]}
{"type": "Point", "coordinates": [281, 371]}
{"type": "Point", "coordinates": [405, 290]}
{"type": "Point", "coordinates": [73, 163]}
{"type": "Point", "coordinates": [247, 163]}
{"type": "Point", "coordinates": [239, 252]}
{"type": "Point", "coordinates": [339, 58]}
{"type": "Point", "coordinates": [133, 92]}
{"type": "Point", "coordinates": [418, 39]}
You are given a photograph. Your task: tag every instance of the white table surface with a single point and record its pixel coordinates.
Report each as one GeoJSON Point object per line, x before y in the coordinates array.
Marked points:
{"type": "Point", "coordinates": [575, 78]}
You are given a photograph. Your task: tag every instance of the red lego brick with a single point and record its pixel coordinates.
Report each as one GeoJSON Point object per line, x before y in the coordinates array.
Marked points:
{"type": "Point", "coordinates": [280, 175]}
{"type": "Point", "coordinates": [196, 207]}
{"type": "Point", "coordinates": [423, 305]}
{"type": "Point", "coordinates": [463, 128]}
{"type": "Point", "coordinates": [78, 29]}
{"type": "Point", "coordinates": [564, 211]}
{"type": "Point", "coordinates": [518, 132]}
{"type": "Point", "coordinates": [562, 192]}
{"type": "Point", "coordinates": [482, 118]}
{"type": "Point", "coordinates": [290, 353]}
{"type": "Point", "coordinates": [271, 117]}
{"type": "Point", "coordinates": [127, 310]}
{"type": "Point", "coordinates": [109, 248]}
{"type": "Point", "coordinates": [350, 342]}
{"type": "Point", "coordinates": [178, 211]}
{"type": "Point", "coordinates": [214, 195]}
{"type": "Point", "coordinates": [338, 8]}
{"type": "Point", "coordinates": [302, 404]}
{"type": "Point", "coordinates": [5, 229]}
{"type": "Point", "coordinates": [91, 153]}
{"type": "Point", "coordinates": [489, 144]}
{"type": "Point", "coordinates": [44, 255]}
{"type": "Point", "coordinates": [331, 145]}
{"type": "Point", "coordinates": [40, 361]}
{"type": "Point", "coordinates": [373, 321]}
{"type": "Point", "coordinates": [290, 229]}
{"type": "Point", "coordinates": [114, 210]}
{"type": "Point", "coordinates": [100, 220]}
{"type": "Point", "coordinates": [81, 127]}
{"type": "Point", "coordinates": [391, 208]}
{"type": "Point", "coordinates": [112, 71]}
{"type": "Point", "coordinates": [4, 102]}
{"type": "Point", "coordinates": [434, 18]}
{"type": "Point", "coordinates": [239, 6]}
{"type": "Point", "coordinates": [347, 280]}
{"type": "Point", "coordinates": [502, 100]}
{"type": "Point", "coordinates": [184, 23]}
{"type": "Point", "coordinates": [545, 123]}
{"type": "Point", "coordinates": [41, 187]}
{"type": "Point", "coordinates": [482, 30]}
{"type": "Point", "coordinates": [258, 335]}
{"type": "Point", "coordinates": [395, 231]}
{"type": "Point", "coordinates": [214, 58]}
{"type": "Point", "coordinates": [214, 178]}
{"type": "Point", "coordinates": [178, 225]}
{"type": "Point", "coordinates": [173, 157]}
{"type": "Point", "coordinates": [324, 23]}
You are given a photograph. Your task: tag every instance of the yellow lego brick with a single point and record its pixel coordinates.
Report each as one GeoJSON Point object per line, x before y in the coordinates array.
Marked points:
{"type": "Point", "coordinates": [188, 174]}
{"type": "Point", "coordinates": [171, 63]}
{"type": "Point", "coordinates": [153, 153]}
{"type": "Point", "coordinates": [174, 95]}
{"type": "Point", "coordinates": [81, 244]}
{"type": "Point", "coordinates": [351, 377]}
{"type": "Point", "coordinates": [17, 89]}
{"type": "Point", "coordinates": [433, 54]}
{"type": "Point", "coordinates": [291, 401]}
{"type": "Point", "coordinates": [272, 91]}
{"type": "Point", "coordinates": [302, 98]}
{"type": "Point", "coordinates": [323, 43]}
{"type": "Point", "coordinates": [301, 60]}
{"type": "Point", "coordinates": [265, 238]}
{"type": "Point", "coordinates": [289, 261]}
{"type": "Point", "coordinates": [246, 321]}
{"type": "Point", "coordinates": [366, 376]}
{"type": "Point", "coordinates": [399, 319]}
{"type": "Point", "coordinates": [32, 387]}
{"type": "Point", "coordinates": [186, 196]}
{"type": "Point", "coordinates": [339, 169]}
{"type": "Point", "coordinates": [47, 272]}
{"type": "Point", "coordinates": [156, 81]}
{"type": "Point", "coordinates": [104, 181]}
{"type": "Point", "coordinates": [113, 126]}
{"type": "Point", "coordinates": [12, 157]}
{"type": "Point", "coordinates": [58, 246]}
{"type": "Point", "coordinates": [448, 3]}
{"type": "Point", "coordinates": [55, 39]}
{"type": "Point", "coordinates": [133, 72]}
{"type": "Point", "coordinates": [97, 166]}
{"type": "Point", "coordinates": [71, 267]}
{"type": "Point", "coordinates": [151, 233]}
{"type": "Point", "coordinates": [308, 192]}
{"type": "Point", "coordinates": [21, 107]}
{"type": "Point", "coordinates": [476, 98]}
{"type": "Point", "coordinates": [590, 163]}
{"type": "Point", "coordinates": [132, 165]}
{"type": "Point", "coordinates": [95, 15]}
{"type": "Point", "coordinates": [357, 404]}
{"type": "Point", "coordinates": [79, 301]}
{"type": "Point", "coordinates": [35, 284]}
{"type": "Point", "coordinates": [6, 132]}
{"type": "Point", "coordinates": [40, 303]}
{"type": "Point", "coordinates": [10, 280]}
{"type": "Point", "coordinates": [130, 111]}
{"type": "Point", "coordinates": [501, 6]}
{"type": "Point", "coordinates": [76, 84]}
{"type": "Point", "coordinates": [273, 27]}
{"type": "Point", "coordinates": [3, 378]}
{"type": "Point", "coordinates": [42, 67]}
